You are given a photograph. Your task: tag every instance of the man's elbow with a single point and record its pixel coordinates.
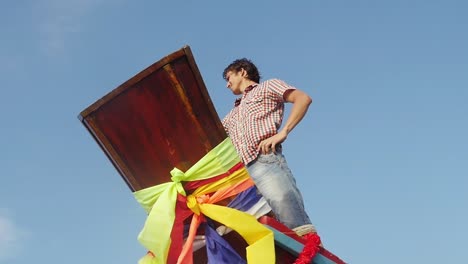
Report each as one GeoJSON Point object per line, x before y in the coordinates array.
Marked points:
{"type": "Point", "coordinates": [306, 99]}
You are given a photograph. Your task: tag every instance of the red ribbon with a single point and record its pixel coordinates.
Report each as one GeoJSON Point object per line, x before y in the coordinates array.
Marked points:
{"type": "Point", "coordinates": [311, 247]}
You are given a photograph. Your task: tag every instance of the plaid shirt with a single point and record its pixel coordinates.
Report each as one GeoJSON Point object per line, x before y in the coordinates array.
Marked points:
{"type": "Point", "coordinates": [256, 116]}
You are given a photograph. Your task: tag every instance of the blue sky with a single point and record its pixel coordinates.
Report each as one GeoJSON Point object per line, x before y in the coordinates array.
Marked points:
{"type": "Point", "coordinates": [381, 158]}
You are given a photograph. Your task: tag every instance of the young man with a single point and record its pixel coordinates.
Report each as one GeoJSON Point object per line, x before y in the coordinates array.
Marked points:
{"type": "Point", "coordinates": [254, 127]}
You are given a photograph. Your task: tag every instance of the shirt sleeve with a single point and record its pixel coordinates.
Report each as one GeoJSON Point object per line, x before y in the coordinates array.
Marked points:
{"type": "Point", "coordinates": [225, 122]}
{"type": "Point", "coordinates": [278, 87]}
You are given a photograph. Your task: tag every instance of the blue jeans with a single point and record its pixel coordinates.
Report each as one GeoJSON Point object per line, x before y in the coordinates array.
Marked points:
{"type": "Point", "coordinates": [276, 183]}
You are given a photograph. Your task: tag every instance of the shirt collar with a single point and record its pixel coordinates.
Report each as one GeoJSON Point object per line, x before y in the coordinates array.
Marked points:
{"type": "Point", "coordinates": [248, 89]}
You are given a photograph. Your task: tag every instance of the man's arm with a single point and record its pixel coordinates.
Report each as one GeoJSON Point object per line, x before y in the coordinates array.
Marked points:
{"type": "Point", "coordinates": [301, 102]}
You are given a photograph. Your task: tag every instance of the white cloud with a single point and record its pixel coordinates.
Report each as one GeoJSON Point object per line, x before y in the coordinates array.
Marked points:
{"type": "Point", "coordinates": [10, 238]}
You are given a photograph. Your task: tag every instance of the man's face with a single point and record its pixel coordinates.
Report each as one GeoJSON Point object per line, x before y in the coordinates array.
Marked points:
{"type": "Point", "coordinates": [234, 81]}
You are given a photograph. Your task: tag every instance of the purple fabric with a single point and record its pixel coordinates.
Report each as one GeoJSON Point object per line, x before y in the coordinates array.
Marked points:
{"type": "Point", "coordinates": [245, 199]}
{"type": "Point", "coordinates": [218, 250]}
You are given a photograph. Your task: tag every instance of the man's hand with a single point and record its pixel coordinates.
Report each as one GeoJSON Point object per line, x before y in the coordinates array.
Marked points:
{"type": "Point", "coordinates": [269, 144]}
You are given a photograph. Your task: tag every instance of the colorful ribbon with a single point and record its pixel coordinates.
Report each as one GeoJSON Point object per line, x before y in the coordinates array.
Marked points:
{"type": "Point", "coordinates": [218, 250]}
{"type": "Point", "coordinates": [160, 203]}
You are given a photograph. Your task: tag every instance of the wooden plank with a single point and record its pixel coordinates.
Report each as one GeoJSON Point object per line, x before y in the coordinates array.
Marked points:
{"type": "Point", "coordinates": [295, 248]}
{"type": "Point", "coordinates": [159, 119]}
{"type": "Point", "coordinates": [287, 240]}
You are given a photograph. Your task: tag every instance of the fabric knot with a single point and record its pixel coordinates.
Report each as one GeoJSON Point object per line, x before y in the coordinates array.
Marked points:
{"type": "Point", "coordinates": [203, 198]}
{"type": "Point", "coordinates": [192, 204]}
{"type": "Point", "coordinates": [177, 175]}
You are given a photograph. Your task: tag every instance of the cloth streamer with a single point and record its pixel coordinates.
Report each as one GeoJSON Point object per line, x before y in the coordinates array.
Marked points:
{"type": "Point", "coordinates": [164, 204]}
{"type": "Point", "coordinates": [219, 251]}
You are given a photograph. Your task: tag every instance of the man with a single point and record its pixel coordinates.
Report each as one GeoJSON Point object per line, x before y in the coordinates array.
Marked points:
{"type": "Point", "coordinates": [254, 127]}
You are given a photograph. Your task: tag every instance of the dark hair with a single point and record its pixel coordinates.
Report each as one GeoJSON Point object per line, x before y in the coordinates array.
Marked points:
{"type": "Point", "coordinates": [247, 65]}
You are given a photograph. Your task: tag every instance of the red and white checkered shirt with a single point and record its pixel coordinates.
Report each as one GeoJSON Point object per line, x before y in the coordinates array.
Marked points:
{"type": "Point", "coordinates": [256, 116]}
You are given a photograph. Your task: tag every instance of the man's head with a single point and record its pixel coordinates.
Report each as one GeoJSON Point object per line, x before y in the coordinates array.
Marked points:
{"type": "Point", "coordinates": [240, 74]}
{"type": "Point", "coordinates": [247, 65]}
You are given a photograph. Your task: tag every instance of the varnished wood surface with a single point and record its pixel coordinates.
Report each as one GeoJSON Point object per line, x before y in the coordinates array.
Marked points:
{"type": "Point", "coordinates": [160, 119]}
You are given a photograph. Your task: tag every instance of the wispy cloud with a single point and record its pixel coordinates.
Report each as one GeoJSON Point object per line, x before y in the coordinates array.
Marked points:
{"type": "Point", "coordinates": [60, 20]}
{"type": "Point", "coordinates": [11, 237]}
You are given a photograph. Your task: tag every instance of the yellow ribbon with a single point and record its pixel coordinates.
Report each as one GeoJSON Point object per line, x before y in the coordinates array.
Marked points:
{"type": "Point", "coordinates": [259, 238]}
{"type": "Point", "coordinates": [159, 201]}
